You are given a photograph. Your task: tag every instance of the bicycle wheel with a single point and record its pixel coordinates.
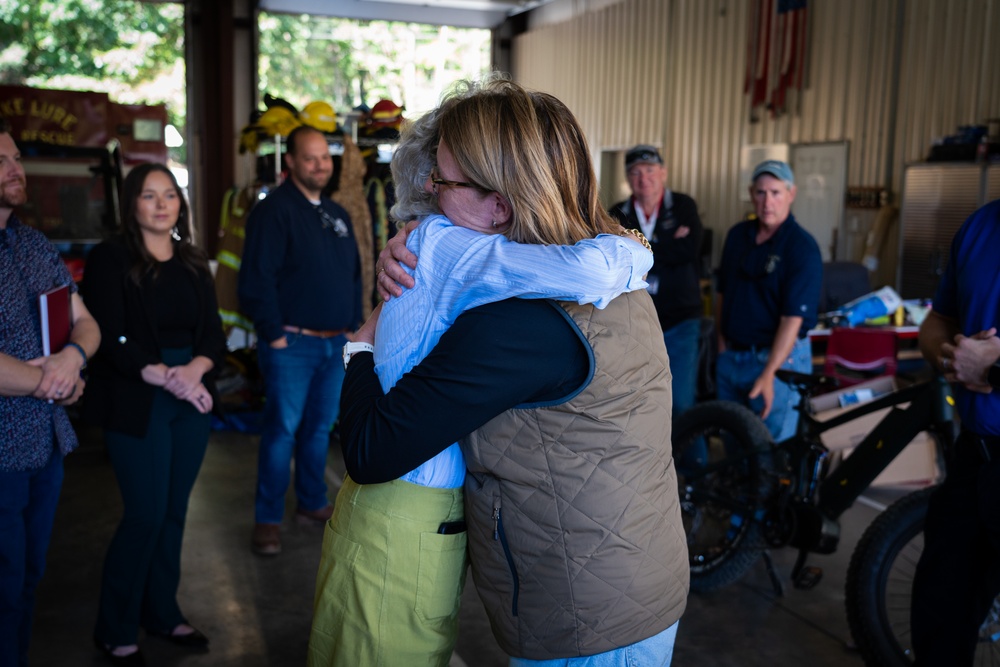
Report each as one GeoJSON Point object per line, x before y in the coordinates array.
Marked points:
{"type": "Point", "coordinates": [721, 486]}
{"type": "Point", "coordinates": [879, 584]}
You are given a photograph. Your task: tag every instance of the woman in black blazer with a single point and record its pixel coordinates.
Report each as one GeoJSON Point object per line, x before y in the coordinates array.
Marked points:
{"type": "Point", "coordinates": [151, 388]}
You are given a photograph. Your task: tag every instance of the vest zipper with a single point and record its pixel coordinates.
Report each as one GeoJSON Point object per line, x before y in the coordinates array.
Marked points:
{"type": "Point", "coordinates": [498, 534]}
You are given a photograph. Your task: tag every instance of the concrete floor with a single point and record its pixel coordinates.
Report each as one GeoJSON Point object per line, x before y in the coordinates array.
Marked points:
{"type": "Point", "coordinates": [257, 610]}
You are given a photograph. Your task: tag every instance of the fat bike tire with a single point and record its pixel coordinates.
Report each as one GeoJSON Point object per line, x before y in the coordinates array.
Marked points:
{"type": "Point", "coordinates": [721, 450]}
{"type": "Point", "coordinates": [880, 579]}
{"type": "Point", "coordinates": [879, 584]}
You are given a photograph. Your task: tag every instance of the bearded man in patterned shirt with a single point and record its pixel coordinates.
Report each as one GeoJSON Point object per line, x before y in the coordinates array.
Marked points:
{"type": "Point", "coordinates": [35, 433]}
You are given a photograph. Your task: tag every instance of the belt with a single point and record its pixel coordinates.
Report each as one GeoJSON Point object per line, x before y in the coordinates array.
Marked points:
{"type": "Point", "coordinates": [318, 333]}
{"type": "Point", "coordinates": [736, 346]}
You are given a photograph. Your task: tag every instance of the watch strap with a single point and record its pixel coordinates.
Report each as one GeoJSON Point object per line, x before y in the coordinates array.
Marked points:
{"type": "Point", "coordinates": [352, 348]}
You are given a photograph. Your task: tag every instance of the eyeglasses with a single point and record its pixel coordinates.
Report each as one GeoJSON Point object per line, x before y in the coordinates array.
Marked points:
{"type": "Point", "coordinates": [437, 180]}
{"type": "Point", "coordinates": [329, 222]}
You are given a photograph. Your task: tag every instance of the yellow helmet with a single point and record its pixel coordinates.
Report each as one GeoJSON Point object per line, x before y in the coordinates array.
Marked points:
{"type": "Point", "coordinates": [319, 115]}
{"type": "Point", "coordinates": [277, 120]}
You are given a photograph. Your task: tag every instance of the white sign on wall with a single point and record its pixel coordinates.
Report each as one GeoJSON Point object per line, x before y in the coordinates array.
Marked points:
{"type": "Point", "coordinates": [821, 181]}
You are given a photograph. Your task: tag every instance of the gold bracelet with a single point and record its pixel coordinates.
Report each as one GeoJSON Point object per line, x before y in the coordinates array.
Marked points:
{"type": "Point", "coordinates": [639, 236]}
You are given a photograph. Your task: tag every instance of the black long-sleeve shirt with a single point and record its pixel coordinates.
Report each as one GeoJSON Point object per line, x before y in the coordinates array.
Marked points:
{"type": "Point", "coordinates": [676, 270]}
{"type": "Point", "coordinates": [495, 357]}
{"type": "Point", "coordinates": [130, 317]}
{"type": "Point", "coordinates": [299, 267]}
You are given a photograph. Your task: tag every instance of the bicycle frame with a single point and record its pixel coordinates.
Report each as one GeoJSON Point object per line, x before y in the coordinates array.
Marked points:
{"type": "Point", "coordinates": [930, 409]}
{"type": "Point", "coordinates": [742, 494]}
{"type": "Point", "coordinates": [803, 507]}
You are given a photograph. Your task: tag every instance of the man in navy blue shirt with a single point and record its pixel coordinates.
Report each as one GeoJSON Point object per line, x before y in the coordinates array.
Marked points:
{"type": "Point", "coordinates": [767, 296]}
{"type": "Point", "coordinates": [300, 282]}
{"type": "Point", "coordinates": [958, 575]}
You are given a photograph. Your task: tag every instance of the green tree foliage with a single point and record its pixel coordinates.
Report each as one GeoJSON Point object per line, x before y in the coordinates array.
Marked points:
{"type": "Point", "coordinates": [346, 62]}
{"type": "Point", "coordinates": [120, 39]}
{"type": "Point", "coordinates": [132, 50]}
{"type": "Point", "coordinates": [300, 60]}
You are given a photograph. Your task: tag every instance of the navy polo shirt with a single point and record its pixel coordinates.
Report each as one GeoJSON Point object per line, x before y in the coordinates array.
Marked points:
{"type": "Point", "coordinates": [762, 283]}
{"type": "Point", "coordinates": [969, 292]}
{"type": "Point", "coordinates": [300, 267]}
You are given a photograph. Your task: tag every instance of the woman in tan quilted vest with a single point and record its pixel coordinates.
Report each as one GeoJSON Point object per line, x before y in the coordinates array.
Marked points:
{"type": "Point", "coordinates": [562, 411]}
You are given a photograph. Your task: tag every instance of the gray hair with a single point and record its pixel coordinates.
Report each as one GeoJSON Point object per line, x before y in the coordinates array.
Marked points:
{"type": "Point", "coordinates": [412, 163]}
{"type": "Point", "coordinates": [416, 155]}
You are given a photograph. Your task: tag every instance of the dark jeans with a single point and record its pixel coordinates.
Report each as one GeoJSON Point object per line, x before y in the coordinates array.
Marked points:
{"type": "Point", "coordinates": [958, 575]}
{"type": "Point", "coordinates": [27, 508]}
{"type": "Point", "coordinates": [155, 475]}
{"type": "Point", "coordinates": [682, 349]}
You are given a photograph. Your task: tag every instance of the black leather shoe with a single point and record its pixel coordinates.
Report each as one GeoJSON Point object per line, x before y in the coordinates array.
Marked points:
{"type": "Point", "coordinates": [194, 639]}
{"type": "Point", "coordinates": [130, 660]}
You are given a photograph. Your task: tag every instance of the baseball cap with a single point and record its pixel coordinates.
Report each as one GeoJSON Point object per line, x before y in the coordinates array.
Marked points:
{"type": "Point", "coordinates": [776, 168]}
{"type": "Point", "coordinates": [642, 154]}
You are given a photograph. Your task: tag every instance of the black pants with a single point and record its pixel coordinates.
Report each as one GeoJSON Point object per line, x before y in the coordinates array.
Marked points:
{"type": "Point", "coordinates": [958, 575]}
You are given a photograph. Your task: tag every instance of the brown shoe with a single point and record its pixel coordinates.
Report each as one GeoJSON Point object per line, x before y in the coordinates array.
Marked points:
{"type": "Point", "coordinates": [266, 539]}
{"type": "Point", "coordinates": [314, 517]}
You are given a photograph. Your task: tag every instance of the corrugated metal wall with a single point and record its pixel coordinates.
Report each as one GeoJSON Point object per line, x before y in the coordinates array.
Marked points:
{"type": "Point", "coordinates": [887, 76]}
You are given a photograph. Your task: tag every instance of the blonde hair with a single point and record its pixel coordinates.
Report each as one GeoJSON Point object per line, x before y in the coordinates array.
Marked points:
{"type": "Point", "coordinates": [528, 147]}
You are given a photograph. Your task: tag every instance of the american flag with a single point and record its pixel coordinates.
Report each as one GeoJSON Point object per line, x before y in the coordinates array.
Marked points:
{"type": "Point", "coordinates": [776, 52]}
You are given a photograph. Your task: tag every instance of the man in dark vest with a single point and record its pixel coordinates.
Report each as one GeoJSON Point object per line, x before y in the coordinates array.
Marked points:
{"type": "Point", "coordinates": [670, 222]}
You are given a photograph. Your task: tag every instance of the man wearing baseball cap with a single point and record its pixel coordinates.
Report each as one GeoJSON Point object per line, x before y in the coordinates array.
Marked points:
{"type": "Point", "coordinates": [767, 297]}
{"type": "Point", "coordinates": [670, 222]}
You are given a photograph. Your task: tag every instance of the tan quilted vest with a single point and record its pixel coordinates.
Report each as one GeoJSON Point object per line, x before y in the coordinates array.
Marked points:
{"type": "Point", "coordinates": [575, 532]}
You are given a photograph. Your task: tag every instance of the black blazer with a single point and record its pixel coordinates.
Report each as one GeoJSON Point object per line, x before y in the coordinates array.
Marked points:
{"type": "Point", "coordinates": [116, 396]}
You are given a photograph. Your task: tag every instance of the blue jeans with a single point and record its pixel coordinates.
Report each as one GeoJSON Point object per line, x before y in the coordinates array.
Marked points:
{"type": "Point", "coordinates": [303, 383]}
{"type": "Point", "coordinates": [656, 651]}
{"type": "Point", "coordinates": [682, 348]}
{"type": "Point", "coordinates": [27, 509]}
{"type": "Point", "coordinates": [737, 371]}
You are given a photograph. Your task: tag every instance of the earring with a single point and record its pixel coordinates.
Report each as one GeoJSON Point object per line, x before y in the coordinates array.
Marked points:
{"type": "Point", "coordinates": [175, 234]}
{"type": "Point", "coordinates": [494, 223]}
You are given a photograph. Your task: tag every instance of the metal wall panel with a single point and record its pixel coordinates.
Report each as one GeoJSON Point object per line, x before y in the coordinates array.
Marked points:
{"type": "Point", "coordinates": [886, 76]}
{"type": "Point", "coordinates": [937, 200]}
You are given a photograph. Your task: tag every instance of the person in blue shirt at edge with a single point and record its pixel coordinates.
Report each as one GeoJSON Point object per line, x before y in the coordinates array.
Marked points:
{"type": "Point", "coordinates": [35, 432]}
{"type": "Point", "coordinates": [957, 578]}
{"type": "Point", "coordinates": [583, 492]}
{"type": "Point", "coordinates": [767, 296]}
{"type": "Point", "coordinates": [671, 223]}
{"type": "Point", "coordinates": [466, 261]}
{"type": "Point", "coordinates": [300, 283]}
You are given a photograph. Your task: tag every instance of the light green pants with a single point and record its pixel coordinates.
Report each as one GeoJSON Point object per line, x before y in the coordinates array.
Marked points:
{"type": "Point", "coordinates": [389, 584]}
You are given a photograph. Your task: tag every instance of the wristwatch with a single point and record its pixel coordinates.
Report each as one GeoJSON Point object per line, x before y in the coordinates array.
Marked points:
{"type": "Point", "coordinates": [353, 348]}
{"type": "Point", "coordinates": [993, 375]}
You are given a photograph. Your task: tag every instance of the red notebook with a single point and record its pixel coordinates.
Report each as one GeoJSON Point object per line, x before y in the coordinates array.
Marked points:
{"type": "Point", "coordinates": [55, 312]}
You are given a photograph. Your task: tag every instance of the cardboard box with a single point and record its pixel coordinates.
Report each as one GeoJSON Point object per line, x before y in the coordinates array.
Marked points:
{"type": "Point", "coordinates": [916, 464]}
{"type": "Point", "coordinates": [853, 432]}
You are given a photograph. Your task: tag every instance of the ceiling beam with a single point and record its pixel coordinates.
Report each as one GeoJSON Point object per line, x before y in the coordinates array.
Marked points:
{"type": "Point", "coordinates": [485, 14]}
